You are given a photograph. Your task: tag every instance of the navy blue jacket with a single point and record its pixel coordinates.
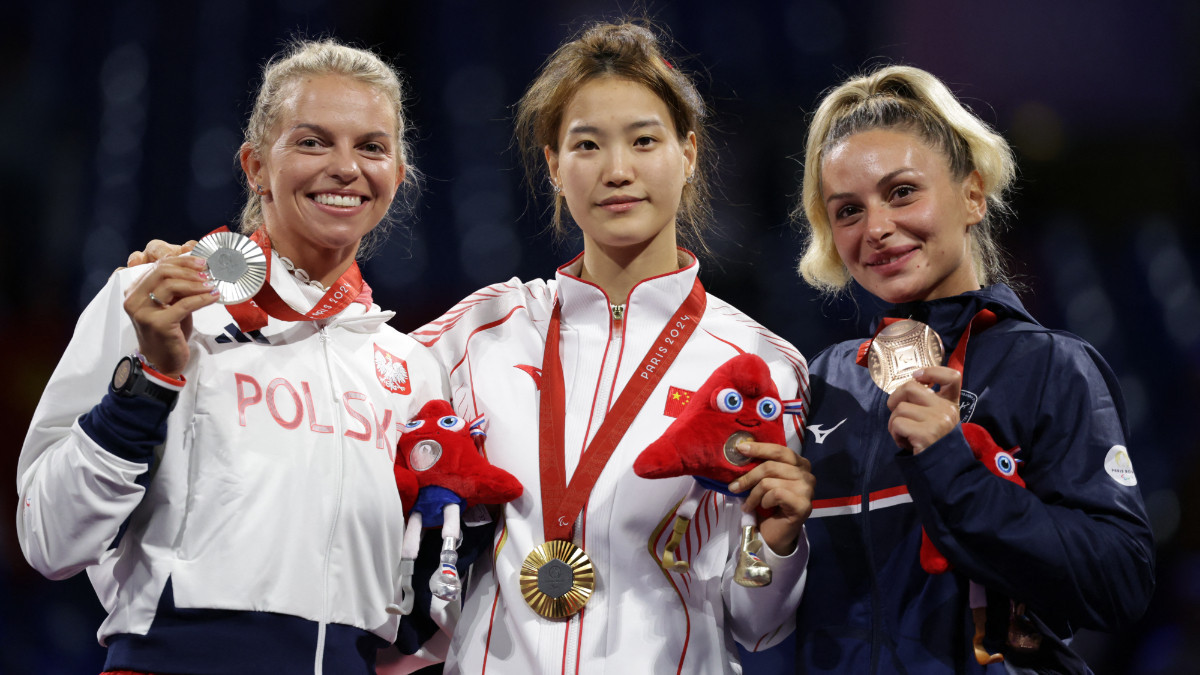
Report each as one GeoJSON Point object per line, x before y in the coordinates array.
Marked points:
{"type": "Point", "coordinates": [1074, 545]}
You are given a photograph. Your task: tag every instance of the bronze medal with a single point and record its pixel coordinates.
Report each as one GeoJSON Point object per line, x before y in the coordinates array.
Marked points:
{"type": "Point", "coordinates": [237, 265]}
{"type": "Point", "coordinates": [557, 579]}
{"type": "Point", "coordinates": [901, 349]}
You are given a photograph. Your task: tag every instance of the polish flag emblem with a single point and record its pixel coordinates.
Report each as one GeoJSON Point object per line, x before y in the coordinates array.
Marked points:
{"type": "Point", "coordinates": [392, 372]}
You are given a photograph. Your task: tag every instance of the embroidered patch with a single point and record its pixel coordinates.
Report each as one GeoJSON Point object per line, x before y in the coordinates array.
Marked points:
{"type": "Point", "coordinates": [1119, 466]}
{"type": "Point", "coordinates": [392, 372]}
{"type": "Point", "coordinates": [677, 400]}
{"type": "Point", "coordinates": [966, 406]}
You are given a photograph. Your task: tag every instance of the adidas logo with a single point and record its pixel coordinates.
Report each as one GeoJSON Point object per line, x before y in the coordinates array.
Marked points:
{"type": "Point", "coordinates": [235, 334]}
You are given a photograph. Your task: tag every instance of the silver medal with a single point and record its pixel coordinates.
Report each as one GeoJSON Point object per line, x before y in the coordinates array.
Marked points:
{"type": "Point", "coordinates": [237, 265]}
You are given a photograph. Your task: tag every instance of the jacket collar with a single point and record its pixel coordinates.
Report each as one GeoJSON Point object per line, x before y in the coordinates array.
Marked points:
{"type": "Point", "coordinates": [362, 315]}
{"type": "Point", "coordinates": [655, 297]}
{"type": "Point", "coordinates": [950, 316]}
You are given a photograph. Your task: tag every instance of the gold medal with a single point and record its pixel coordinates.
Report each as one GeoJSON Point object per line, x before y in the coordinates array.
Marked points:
{"type": "Point", "coordinates": [557, 579]}
{"type": "Point", "coordinates": [901, 349]}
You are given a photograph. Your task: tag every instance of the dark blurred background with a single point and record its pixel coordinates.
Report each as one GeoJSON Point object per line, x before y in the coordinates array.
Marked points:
{"type": "Point", "coordinates": [121, 121]}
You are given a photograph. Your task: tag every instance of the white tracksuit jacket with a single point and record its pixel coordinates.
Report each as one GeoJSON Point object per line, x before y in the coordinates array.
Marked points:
{"type": "Point", "coordinates": [273, 491]}
{"type": "Point", "coordinates": [640, 619]}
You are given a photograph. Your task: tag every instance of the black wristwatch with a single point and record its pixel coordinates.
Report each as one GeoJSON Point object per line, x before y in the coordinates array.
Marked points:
{"type": "Point", "coordinates": [129, 380]}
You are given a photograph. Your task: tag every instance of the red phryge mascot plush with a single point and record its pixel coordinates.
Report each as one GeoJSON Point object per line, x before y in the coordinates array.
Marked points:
{"type": "Point", "coordinates": [439, 469]}
{"type": "Point", "coordinates": [1002, 463]}
{"type": "Point", "coordinates": [738, 402]}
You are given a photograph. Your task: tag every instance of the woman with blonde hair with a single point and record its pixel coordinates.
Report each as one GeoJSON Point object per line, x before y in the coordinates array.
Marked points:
{"type": "Point", "coordinates": [976, 503]}
{"type": "Point", "coordinates": [229, 488]}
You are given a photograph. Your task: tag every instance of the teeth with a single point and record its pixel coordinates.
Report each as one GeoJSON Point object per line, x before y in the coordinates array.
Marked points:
{"type": "Point", "coordinates": [338, 200]}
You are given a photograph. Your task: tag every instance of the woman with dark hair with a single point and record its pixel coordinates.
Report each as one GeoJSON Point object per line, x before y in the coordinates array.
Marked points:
{"type": "Point", "coordinates": [568, 370]}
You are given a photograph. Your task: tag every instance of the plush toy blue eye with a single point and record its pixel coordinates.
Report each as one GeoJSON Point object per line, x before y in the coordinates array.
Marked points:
{"type": "Point", "coordinates": [769, 408]}
{"type": "Point", "coordinates": [415, 424]}
{"type": "Point", "coordinates": [729, 400]}
{"type": "Point", "coordinates": [1006, 463]}
{"type": "Point", "coordinates": [451, 422]}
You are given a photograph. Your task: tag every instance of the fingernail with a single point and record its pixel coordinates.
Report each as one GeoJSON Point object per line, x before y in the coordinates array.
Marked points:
{"type": "Point", "coordinates": [743, 447]}
{"type": "Point", "coordinates": [209, 284]}
{"type": "Point", "coordinates": [735, 486]}
{"type": "Point", "coordinates": [204, 274]}
{"type": "Point", "coordinates": [214, 292]}
{"type": "Point", "coordinates": [918, 372]}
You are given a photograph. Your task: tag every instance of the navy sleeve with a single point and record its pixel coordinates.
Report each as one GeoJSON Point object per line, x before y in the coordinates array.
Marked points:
{"type": "Point", "coordinates": [129, 427]}
{"type": "Point", "coordinates": [1075, 543]}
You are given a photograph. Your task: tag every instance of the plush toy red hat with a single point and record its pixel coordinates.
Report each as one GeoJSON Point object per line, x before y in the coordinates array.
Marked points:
{"type": "Point", "coordinates": [739, 402]}
{"type": "Point", "coordinates": [440, 470]}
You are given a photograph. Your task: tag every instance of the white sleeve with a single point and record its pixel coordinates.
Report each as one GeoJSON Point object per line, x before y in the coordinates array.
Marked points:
{"type": "Point", "coordinates": [74, 494]}
{"type": "Point", "coordinates": [763, 617]}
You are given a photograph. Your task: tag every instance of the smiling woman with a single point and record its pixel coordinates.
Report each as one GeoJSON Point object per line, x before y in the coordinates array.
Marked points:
{"type": "Point", "coordinates": [983, 510]}
{"type": "Point", "coordinates": [901, 222]}
{"type": "Point", "coordinates": [231, 486]}
{"type": "Point", "coordinates": [329, 177]}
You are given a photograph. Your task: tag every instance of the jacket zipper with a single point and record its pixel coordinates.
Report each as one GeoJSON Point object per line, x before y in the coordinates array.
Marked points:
{"type": "Point", "coordinates": [608, 373]}
{"type": "Point", "coordinates": [337, 508]}
{"type": "Point", "coordinates": [876, 609]}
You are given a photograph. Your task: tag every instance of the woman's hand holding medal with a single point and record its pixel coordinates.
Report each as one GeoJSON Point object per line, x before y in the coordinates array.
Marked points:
{"type": "Point", "coordinates": [921, 415]}
{"type": "Point", "coordinates": [782, 485]}
{"type": "Point", "coordinates": [160, 305]}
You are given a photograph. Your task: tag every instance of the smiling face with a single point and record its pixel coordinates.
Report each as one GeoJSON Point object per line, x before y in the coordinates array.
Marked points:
{"type": "Point", "coordinates": [621, 166]}
{"type": "Point", "coordinates": [330, 170]}
{"type": "Point", "coordinates": [901, 222]}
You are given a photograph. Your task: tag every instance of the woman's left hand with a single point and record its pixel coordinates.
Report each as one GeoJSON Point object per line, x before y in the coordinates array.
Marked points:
{"type": "Point", "coordinates": [783, 484]}
{"type": "Point", "coordinates": [920, 415]}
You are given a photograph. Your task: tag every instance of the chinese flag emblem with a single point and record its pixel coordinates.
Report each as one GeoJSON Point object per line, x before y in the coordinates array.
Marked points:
{"type": "Point", "coordinates": [392, 372]}
{"type": "Point", "coordinates": [676, 400]}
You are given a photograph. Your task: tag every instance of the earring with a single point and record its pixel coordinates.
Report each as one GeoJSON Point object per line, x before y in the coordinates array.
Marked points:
{"type": "Point", "coordinates": [556, 187]}
{"type": "Point", "coordinates": [691, 177]}
{"type": "Point", "coordinates": [259, 190]}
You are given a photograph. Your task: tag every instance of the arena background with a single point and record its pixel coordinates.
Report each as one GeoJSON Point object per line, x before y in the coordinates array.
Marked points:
{"type": "Point", "coordinates": [121, 120]}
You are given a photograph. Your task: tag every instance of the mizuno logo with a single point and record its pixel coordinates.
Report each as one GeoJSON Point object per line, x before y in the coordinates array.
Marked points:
{"type": "Point", "coordinates": [233, 333]}
{"type": "Point", "coordinates": [819, 434]}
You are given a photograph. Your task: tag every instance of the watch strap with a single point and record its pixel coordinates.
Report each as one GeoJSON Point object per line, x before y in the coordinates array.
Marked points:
{"type": "Point", "coordinates": [144, 381]}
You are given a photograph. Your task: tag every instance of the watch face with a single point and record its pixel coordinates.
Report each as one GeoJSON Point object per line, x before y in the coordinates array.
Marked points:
{"type": "Point", "coordinates": [121, 374]}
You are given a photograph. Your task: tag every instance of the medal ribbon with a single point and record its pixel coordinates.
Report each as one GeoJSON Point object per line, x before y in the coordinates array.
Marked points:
{"type": "Point", "coordinates": [252, 314]}
{"type": "Point", "coordinates": [982, 321]}
{"type": "Point", "coordinates": [562, 502]}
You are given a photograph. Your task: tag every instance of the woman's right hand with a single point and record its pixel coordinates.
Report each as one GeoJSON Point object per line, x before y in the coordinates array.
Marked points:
{"type": "Point", "coordinates": [920, 415]}
{"type": "Point", "coordinates": [157, 250]}
{"type": "Point", "coordinates": [160, 305]}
